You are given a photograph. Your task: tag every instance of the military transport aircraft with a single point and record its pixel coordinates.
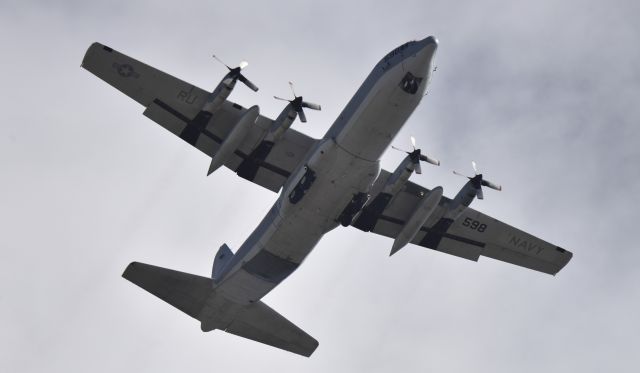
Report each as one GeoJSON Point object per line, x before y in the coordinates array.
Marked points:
{"type": "Point", "coordinates": [323, 183]}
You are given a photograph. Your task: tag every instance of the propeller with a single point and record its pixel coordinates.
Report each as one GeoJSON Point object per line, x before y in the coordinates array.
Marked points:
{"type": "Point", "coordinates": [416, 156]}
{"type": "Point", "coordinates": [478, 181]}
{"type": "Point", "coordinates": [298, 104]}
{"type": "Point", "coordinates": [235, 74]}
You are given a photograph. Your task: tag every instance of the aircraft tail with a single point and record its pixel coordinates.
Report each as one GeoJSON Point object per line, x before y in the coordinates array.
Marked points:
{"type": "Point", "coordinates": [220, 263]}
{"type": "Point", "coordinates": [196, 296]}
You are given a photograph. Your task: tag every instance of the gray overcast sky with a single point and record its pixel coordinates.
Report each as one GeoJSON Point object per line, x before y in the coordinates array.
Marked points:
{"type": "Point", "coordinates": [543, 95]}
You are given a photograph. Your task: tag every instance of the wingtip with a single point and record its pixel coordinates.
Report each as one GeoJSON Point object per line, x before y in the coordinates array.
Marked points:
{"type": "Point", "coordinates": [130, 268]}
{"type": "Point", "coordinates": [313, 348]}
{"type": "Point", "coordinates": [93, 48]}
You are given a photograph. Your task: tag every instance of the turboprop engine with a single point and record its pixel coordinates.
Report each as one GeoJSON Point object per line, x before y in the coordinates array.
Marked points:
{"type": "Point", "coordinates": [226, 85]}
{"type": "Point", "coordinates": [249, 167]}
{"type": "Point", "coordinates": [288, 115]}
{"type": "Point", "coordinates": [408, 165]}
{"type": "Point", "coordinates": [471, 190]}
{"type": "Point", "coordinates": [214, 101]}
{"type": "Point", "coordinates": [366, 218]}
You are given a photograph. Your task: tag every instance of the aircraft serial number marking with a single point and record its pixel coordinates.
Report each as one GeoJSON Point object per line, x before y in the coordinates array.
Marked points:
{"type": "Point", "coordinates": [474, 225]}
{"type": "Point", "coordinates": [187, 96]}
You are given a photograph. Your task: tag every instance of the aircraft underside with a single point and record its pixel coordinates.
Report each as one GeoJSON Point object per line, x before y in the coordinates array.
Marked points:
{"type": "Point", "coordinates": [322, 183]}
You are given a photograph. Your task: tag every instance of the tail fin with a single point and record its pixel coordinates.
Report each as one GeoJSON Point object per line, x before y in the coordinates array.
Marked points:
{"type": "Point", "coordinates": [223, 257]}
{"type": "Point", "coordinates": [195, 296]}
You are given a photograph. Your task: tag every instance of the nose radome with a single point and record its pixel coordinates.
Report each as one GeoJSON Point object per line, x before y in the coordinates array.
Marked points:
{"type": "Point", "coordinates": [429, 40]}
{"type": "Point", "coordinates": [423, 59]}
{"type": "Point", "coordinates": [428, 47]}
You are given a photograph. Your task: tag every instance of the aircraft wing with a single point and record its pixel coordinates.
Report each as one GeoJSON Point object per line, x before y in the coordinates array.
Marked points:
{"type": "Point", "coordinates": [471, 235]}
{"type": "Point", "coordinates": [195, 296]}
{"type": "Point", "coordinates": [173, 103]}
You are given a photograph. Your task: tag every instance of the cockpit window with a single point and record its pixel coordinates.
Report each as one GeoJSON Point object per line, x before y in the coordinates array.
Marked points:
{"type": "Point", "coordinates": [410, 83]}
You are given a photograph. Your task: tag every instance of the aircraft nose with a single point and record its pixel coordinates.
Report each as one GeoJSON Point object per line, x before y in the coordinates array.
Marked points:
{"type": "Point", "coordinates": [429, 45]}
{"type": "Point", "coordinates": [429, 40]}
{"type": "Point", "coordinates": [421, 64]}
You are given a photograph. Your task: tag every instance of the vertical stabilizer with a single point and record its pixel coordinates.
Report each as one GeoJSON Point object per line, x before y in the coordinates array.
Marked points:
{"type": "Point", "coordinates": [223, 257]}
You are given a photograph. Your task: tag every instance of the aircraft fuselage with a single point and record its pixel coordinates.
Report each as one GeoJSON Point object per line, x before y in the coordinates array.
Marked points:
{"type": "Point", "coordinates": [344, 163]}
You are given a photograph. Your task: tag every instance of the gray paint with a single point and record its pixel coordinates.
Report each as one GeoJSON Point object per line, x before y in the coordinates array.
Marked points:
{"type": "Point", "coordinates": [281, 242]}
{"type": "Point", "coordinates": [543, 94]}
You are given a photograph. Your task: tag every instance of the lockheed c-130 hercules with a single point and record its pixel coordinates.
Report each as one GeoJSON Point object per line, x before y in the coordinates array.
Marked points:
{"type": "Point", "coordinates": [323, 183]}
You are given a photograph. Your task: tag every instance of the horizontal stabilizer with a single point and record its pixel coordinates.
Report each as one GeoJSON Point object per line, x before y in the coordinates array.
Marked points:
{"type": "Point", "coordinates": [184, 291]}
{"type": "Point", "coordinates": [196, 296]}
{"type": "Point", "coordinates": [260, 323]}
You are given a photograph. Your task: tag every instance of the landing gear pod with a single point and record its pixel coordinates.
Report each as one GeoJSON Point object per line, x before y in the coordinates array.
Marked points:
{"type": "Point", "coordinates": [417, 219]}
{"type": "Point", "coordinates": [233, 141]}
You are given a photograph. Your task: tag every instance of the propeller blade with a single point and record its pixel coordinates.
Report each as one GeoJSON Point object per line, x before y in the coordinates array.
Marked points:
{"type": "Point", "coordinates": [433, 161]}
{"type": "Point", "coordinates": [413, 142]}
{"type": "Point", "coordinates": [475, 168]}
{"type": "Point", "coordinates": [402, 150]}
{"type": "Point", "coordinates": [243, 64]}
{"type": "Point", "coordinates": [292, 90]}
{"type": "Point", "coordinates": [219, 60]}
{"type": "Point", "coordinates": [303, 118]}
{"type": "Point", "coordinates": [417, 168]}
{"type": "Point", "coordinates": [479, 193]}
{"type": "Point", "coordinates": [491, 185]}
{"type": "Point", "coordinates": [310, 105]}
{"type": "Point", "coordinates": [459, 174]}
{"type": "Point", "coordinates": [247, 82]}
{"type": "Point", "coordinates": [280, 98]}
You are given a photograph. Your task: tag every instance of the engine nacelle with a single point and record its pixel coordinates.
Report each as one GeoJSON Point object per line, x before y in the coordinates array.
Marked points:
{"type": "Point", "coordinates": [216, 98]}
{"type": "Point", "coordinates": [397, 180]}
{"type": "Point", "coordinates": [462, 200]}
{"type": "Point", "coordinates": [281, 124]}
{"type": "Point", "coordinates": [226, 85]}
{"type": "Point", "coordinates": [422, 212]}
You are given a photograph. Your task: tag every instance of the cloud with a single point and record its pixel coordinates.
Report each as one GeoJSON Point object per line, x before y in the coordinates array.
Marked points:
{"type": "Point", "coordinates": [542, 95]}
